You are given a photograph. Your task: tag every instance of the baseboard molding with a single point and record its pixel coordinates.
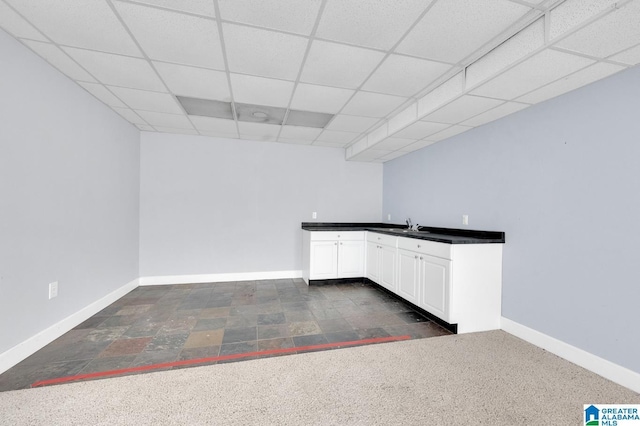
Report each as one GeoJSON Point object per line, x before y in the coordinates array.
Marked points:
{"type": "Point", "coordinates": [607, 369]}
{"type": "Point", "coordinates": [33, 344]}
{"type": "Point", "coordinates": [216, 278]}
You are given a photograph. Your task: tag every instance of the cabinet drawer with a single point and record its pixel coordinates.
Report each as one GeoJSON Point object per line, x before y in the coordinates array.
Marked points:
{"type": "Point", "coordinates": [430, 248]}
{"type": "Point", "coordinates": [383, 239]}
{"type": "Point", "coordinates": [337, 235]}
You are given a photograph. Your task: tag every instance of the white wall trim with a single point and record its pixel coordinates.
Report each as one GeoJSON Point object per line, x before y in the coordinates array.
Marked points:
{"type": "Point", "coordinates": [21, 351]}
{"type": "Point", "coordinates": [607, 369]}
{"type": "Point", "coordinates": [216, 278]}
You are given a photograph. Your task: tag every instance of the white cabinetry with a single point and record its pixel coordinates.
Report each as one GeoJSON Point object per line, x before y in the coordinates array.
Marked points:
{"type": "Point", "coordinates": [382, 256]}
{"type": "Point", "coordinates": [328, 254]}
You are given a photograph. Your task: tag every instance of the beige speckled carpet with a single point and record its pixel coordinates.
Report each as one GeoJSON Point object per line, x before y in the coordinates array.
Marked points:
{"type": "Point", "coordinates": [487, 378]}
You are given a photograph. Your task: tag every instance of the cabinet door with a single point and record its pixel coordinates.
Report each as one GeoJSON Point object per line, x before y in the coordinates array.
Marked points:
{"type": "Point", "coordinates": [435, 285]}
{"type": "Point", "coordinates": [408, 276]}
{"type": "Point", "coordinates": [323, 260]}
{"type": "Point", "coordinates": [372, 262]}
{"type": "Point", "coordinates": [388, 257]}
{"type": "Point", "coordinates": [350, 259]}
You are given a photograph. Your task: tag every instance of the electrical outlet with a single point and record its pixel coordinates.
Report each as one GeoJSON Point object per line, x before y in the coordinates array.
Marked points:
{"type": "Point", "coordinates": [314, 215]}
{"type": "Point", "coordinates": [465, 219]}
{"type": "Point", "coordinates": [389, 216]}
{"type": "Point", "coordinates": [53, 289]}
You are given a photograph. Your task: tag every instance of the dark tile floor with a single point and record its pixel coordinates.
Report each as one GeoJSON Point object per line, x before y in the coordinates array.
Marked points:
{"type": "Point", "coordinates": [159, 324]}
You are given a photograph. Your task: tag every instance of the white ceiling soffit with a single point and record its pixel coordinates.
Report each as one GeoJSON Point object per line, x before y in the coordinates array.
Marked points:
{"type": "Point", "coordinates": [379, 79]}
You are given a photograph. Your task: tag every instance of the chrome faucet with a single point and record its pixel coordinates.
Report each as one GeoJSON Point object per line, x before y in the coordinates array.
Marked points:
{"type": "Point", "coordinates": [409, 225]}
{"type": "Point", "coordinates": [412, 227]}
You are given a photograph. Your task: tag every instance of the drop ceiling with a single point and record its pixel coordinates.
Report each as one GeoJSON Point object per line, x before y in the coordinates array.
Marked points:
{"type": "Point", "coordinates": [390, 76]}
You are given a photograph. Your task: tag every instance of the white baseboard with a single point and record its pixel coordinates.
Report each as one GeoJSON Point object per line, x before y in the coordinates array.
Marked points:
{"type": "Point", "coordinates": [607, 369]}
{"type": "Point", "coordinates": [216, 278]}
{"type": "Point", "coordinates": [33, 344]}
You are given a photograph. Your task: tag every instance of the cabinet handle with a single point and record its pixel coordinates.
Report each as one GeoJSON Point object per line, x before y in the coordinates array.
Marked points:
{"type": "Point", "coordinates": [420, 257]}
{"type": "Point", "coordinates": [418, 245]}
{"type": "Point", "coordinates": [338, 236]}
{"type": "Point", "coordinates": [379, 238]}
{"type": "Point", "coordinates": [335, 244]}
{"type": "Point", "coordinates": [416, 256]}
{"type": "Point", "coordinates": [340, 243]}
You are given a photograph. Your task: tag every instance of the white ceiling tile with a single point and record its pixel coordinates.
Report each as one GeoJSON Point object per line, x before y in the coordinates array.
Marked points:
{"type": "Point", "coordinates": [338, 137]}
{"type": "Point", "coordinates": [535, 72]}
{"type": "Point", "coordinates": [393, 144]}
{"type": "Point", "coordinates": [351, 123]}
{"type": "Point", "coordinates": [332, 64]}
{"type": "Point", "coordinates": [447, 133]}
{"type": "Point", "coordinates": [102, 93]}
{"type": "Point", "coordinates": [287, 15]}
{"type": "Point", "coordinates": [194, 82]}
{"type": "Point", "coordinates": [495, 113]}
{"type": "Point", "coordinates": [211, 124]}
{"type": "Point", "coordinates": [14, 24]}
{"type": "Point", "coordinates": [300, 132]}
{"type": "Point", "coordinates": [79, 23]}
{"type": "Point", "coordinates": [630, 56]}
{"type": "Point", "coordinates": [512, 50]}
{"type": "Point", "coordinates": [377, 135]}
{"type": "Point", "coordinates": [462, 108]}
{"type": "Point", "coordinates": [453, 29]}
{"type": "Point", "coordinates": [261, 91]}
{"type": "Point", "coordinates": [166, 120]}
{"type": "Point", "coordinates": [265, 53]}
{"type": "Point", "coordinates": [176, 130]}
{"type": "Point", "coordinates": [147, 101]}
{"type": "Point", "coordinates": [420, 129]}
{"type": "Point", "coordinates": [581, 78]}
{"type": "Point", "coordinates": [393, 155]}
{"type": "Point", "coordinates": [329, 144]}
{"type": "Point", "coordinates": [402, 119]}
{"type": "Point", "coordinates": [418, 145]}
{"type": "Point", "coordinates": [117, 70]}
{"type": "Point", "coordinates": [609, 35]}
{"type": "Point", "coordinates": [129, 115]}
{"type": "Point", "coordinates": [370, 154]}
{"type": "Point", "coordinates": [145, 127]}
{"type": "Point", "coordinates": [369, 104]}
{"type": "Point", "coordinates": [310, 97]}
{"type": "Point", "coordinates": [378, 25]}
{"type": "Point", "coordinates": [404, 76]}
{"type": "Point", "coordinates": [258, 131]}
{"type": "Point", "coordinates": [295, 141]}
{"type": "Point", "coordinates": [571, 13]}
{"type": "Point", "coordinates": [60, 60]}
{"type": "Point", "coordinates": [219, 134]}
{"type": "Point", "coordinates": [174, 37]}
{"type": "Point", "coordinates": [442, 94]}
{"type": "Point", "coordinates": [199, 7]}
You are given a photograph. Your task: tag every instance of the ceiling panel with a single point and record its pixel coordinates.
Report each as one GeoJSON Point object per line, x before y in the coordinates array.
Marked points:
{"type": "Point", "coordinates": [146, 100]}
{"type": "Point", "coordinates": [117, 70]}
{"type": "Point", "coordinates": [102, 93]}
{"type": "Point", "coordinates": [393, 144]}
{"type": "Point", "coordinates": [145, 127]}
{"type": "Point", "coordinates": [404, 76]}
{"type": "Point", "coordinates": [581, 78]}
{"type": "Point", "coordinates": [535, 72]}
{"type": "Point", "coordinates": [16, 25]}
{"type": "Point", "coordinates": [199, 7]}
{"type": "Point", "coordinates": [336, 136]}
{"type": "Point", "coordinates": [211, 124]}
{"type": "Point", "coordinates": [166, 120]}
{"type": "Point", "coordinates": [287, 15]}
{"type": "Point", "coordinates": [380, 25]}
{"type": "Point", "coordinates": [495, 113]}
{"type": "Point", "coordinates": [420, 129]}
{"type": "Point", "coordinates": [194, 82]}
{"type": "Point", "coordinates": [264, 53]}
{"type": "Point", "coordinates": [177, 130]}
{"type": "Point", "coordinates": [351, 123]}
{"type": "Point", "coordinates": [261, 91]}
{"type": "Point", "coordinates": [608, 35]}
{"type": "Point", "coordinates": [219, 134]}
{"type": "Point", "coordinates": [295, 141]}
{"type": "Point", "coordinates": [448, 132]}
{"type": "Point", "coordinates": [393, 155]}
{"type": "Point", "coordinates": [629, 56]}
{"type": "Point", "coordinates": [299, 132]}
{"type": "Point", "coordinates": [259, 131]}
{"type": "Point", "coordinates": [174, 37]}
{"type": "Point", "coordinates": [462, 108]}
{"type": "Point", "coordinates": [60, 60]}
{"type": "Point", "coordinates": [329, 144]}
{"type": "Point", "coordinates": [416, 146]}
{"type": "Point", "coordinates": [369, 104]}
{"type": "Point", "coordinates": [79, 23]}
{"type": "Point", "coordinates": [332, 64]}
{"type": "Point", "coordinates": [311, 97]}
{"type": "Point", "coordinates": [129, 115]}
{"type": "Point", "coordinates": [571, 13]}
{"type": "Point", "coordinates": [453, 29]}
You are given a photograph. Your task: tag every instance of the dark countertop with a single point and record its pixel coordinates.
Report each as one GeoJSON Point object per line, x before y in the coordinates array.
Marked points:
{"type": "Point", "coordinates": [441, 235]}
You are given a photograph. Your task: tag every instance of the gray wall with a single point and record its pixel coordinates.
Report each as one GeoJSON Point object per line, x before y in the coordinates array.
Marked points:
{"type": "Point", "coordinates": [228, 206]}
{"type": "Point", "coordinates": [69, 187]}
{"type": "Point", "coordinates": [561, 179]}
